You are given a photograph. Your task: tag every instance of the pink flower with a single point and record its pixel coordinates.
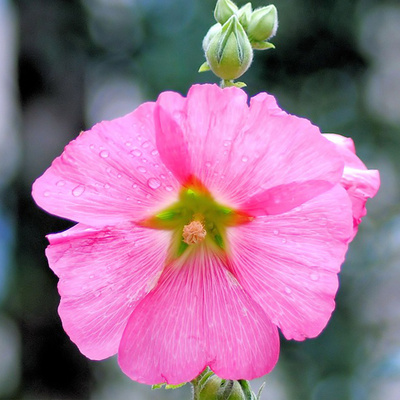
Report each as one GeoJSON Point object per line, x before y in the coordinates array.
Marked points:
{"type": "Point", "coordinates": [204, 225]}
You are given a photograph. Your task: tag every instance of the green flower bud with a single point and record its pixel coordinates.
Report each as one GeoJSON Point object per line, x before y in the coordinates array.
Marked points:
{"type": "Point", "coordinates": [263, 23]}
{"type": "Point", "coordinates": [224, 9]}
{"type": "Point", "coordinates": [228, 50]}
{"type": "Point", "coordinates": [244, 15]}
{"type": "Point", "coordinates": [214, 30]}
{"type": "Point", "coordinates": [231, 390]}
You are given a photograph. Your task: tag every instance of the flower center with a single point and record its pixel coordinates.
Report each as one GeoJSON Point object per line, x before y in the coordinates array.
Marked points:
{"type": "Point", "coordinates": [194, 233]}
{"type": "Point", "coordinates": [195, 218]}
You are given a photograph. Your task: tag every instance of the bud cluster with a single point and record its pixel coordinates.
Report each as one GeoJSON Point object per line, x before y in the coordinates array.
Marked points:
{"type": "Point", "coordinates": [229, 44]}
{"type": "Point", "coordinates": [210, 386]}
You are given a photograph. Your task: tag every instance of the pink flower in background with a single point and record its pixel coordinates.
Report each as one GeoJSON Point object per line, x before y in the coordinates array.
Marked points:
{"type": "Point", "coordinates": [204, 225]}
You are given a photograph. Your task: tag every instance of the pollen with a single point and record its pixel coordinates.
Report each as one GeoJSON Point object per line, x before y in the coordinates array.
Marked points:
{"type": "Point", "coordinates": [194, 232]}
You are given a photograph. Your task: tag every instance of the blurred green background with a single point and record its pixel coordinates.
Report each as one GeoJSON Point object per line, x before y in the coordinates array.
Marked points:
{"type": "Point", "coordinates": [65, 65]}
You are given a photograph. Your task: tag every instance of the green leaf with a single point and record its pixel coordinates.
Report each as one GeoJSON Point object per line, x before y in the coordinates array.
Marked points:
{"type": "Point", "coordinates": [161, 385]}
{"type": "Point", "coordinates": [262, 45]}
{"type": "Point", "coordinates": [204, 67]}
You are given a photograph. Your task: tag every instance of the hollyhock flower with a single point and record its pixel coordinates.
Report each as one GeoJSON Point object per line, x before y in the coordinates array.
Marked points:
{"type": "Point", "coordinates": [204, 224]}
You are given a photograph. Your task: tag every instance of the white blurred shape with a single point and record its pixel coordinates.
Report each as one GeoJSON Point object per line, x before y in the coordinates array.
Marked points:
{"type": "Point", "coordinates": [8, 108]}
{"type": "Point", "coordinates": [110, 97]}
{"type": "Point", "coordinates": [380, 39]}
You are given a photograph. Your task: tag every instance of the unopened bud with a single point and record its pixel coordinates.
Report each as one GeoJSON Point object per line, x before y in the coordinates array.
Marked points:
{"type": "Point", "coordinates": [263, 23]}
{"type": "Point", "coordinates": [244, 15]}
{"type": "Point", "coordinates": [228, 51]}
{"type": "Point", "coordinates": [224, 9]}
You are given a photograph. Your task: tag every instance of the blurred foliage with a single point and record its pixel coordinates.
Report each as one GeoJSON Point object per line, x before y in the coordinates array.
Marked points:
{"type": "Point", "coordinates": [319, 70]}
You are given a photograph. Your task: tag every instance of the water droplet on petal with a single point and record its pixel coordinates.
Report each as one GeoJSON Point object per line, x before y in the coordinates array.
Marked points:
{"type": "Point", "coordinates": [128, 144]}
{"type": "Point", "coordinates": [288, 290]}
{"type": "Point", "coordinates": [154, 153]}
{"type": "Point", "coordinates": [154, 183]}
{"type": "Point", "coordinates": [91, 147]}
{"type": "Point", "coordinates": [142, 169]}
{"type": "Point", "coordinates": [46, 194]}
{"type": "Point", "coordinates": [245, 159]}
{"type": "Point", "coordinates": [136, 152]}
{"type": "Point", "coordinates": [119, 176]}
{"type": "Point", "coordinates": [104, 154]}
{"type": "Point", "coordinates": [227, 143]}
{"type": "Point", "coordinates": [106, 186]}
{"type": "Point", "coordinates": [284, 240]}
{"type": "Point", "coordinates": [314, 276]}
{"type": "Point", "coordinates": [208, 164]}
{"type": "Point", "coordinates": [162, 176]}
{"type": "Point", "coordinates": [146, 144]}
{"type": "Point", "coordinates": [91, 276]}
{"type": "Point", "coordinates": [78, 191]}
{"type": "Point", "coordinates": [276, 232]}
{"type": "Point", "coordinates": [60, 183]}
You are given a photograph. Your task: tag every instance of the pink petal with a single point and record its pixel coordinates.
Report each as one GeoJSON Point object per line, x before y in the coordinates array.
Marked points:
{"type": "Point", "coordinates": [360, 183]}
{"type": "Point", "coordinates": [109, 174]}
{"type": "Point", "coordinates": [289, 262]}
{"type": "Point", "coordinates": [240, 152]}
{"type": "Point", "coordinates": [197, 315]}
{"type": "Point", "coordinates": [170, 137]}
{"type": "Point", "coordinates": [103, 274]}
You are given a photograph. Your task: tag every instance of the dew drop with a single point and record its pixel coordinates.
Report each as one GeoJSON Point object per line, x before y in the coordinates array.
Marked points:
{"type": "Point", "coordinates": [162, 176]}
{"type": "Point", "coordinates": [154, 153]}
{"type": "Point", "coordinates": [60, 183]}
{"type": "Point", "coordinates": [128, 144]}
{"type": "Point", "coordinates": [91, 276]}
{"type": "Point", "coordinates": [288, 290]}
{"type": "Point", "coordinates": [134, 185]}
{"type": "Point", "coordinates": [106, 186]}
{"type": "Point", "coordinates": [144, 160]}
{"type": "Point", "coordinates": [169, 188]}
{"type": "Point", "coordinates": [284, 240]}
{"type": "Point", "coordinates": [245, 159]}
{"type": "Point", "coordinates": [227, 143]}
{"type": "Point", "coordinates": [208, 164]}
{"type": "Point", "coordinates": [146, 144]}
{"type": "Point", "coordinates": [141, 169]}
{"type": "Point", "coordinates": [119, 176]}
{"type": "Point", "coordinates": [136, 153]}
{"type": "Point", "coordinates": [104, 154]}
{"type": "Point", "coordinates": [91, 147]}
{"type": "Point", "coordinates": [276, 232]}
{"type": "Point", "coordinates": [314, 276]}
{"type": "Point", "coordinates": [46, 194]}
{"type": "Point", "coordinates": [154, 183]}
{"type": "Point", "coordinates": [78, 191]}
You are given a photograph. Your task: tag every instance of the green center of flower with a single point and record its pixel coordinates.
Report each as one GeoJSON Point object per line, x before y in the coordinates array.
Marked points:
{"type": "Point", "coordinates": [196, 218]}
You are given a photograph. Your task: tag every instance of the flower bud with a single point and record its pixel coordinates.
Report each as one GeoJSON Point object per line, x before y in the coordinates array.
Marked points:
{"type": "Point", "coordinates": [229, 53]}
{"type": "Point", "coordinates": [263, 23]}
{"type": "Point", "coordinates": [244, 15]}
{"type": "Point", "coordinates": [224, 9]}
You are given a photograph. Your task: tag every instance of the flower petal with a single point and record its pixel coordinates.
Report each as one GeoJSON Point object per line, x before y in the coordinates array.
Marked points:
{"type": "Point", "coordinates": [196, 316]}
{"type": "Point", "coordinates": [239, 152]}
{"type": "Point", "coordinates": [109, 174]}
{"type": "Point", "coordinates": [169, 135]}
{"type": "Point", "coordinates": [289, 262]}
{"type": "Point", "coordinates": [360, 182]}
{"type": "Point", "coordinates": [103, 273]}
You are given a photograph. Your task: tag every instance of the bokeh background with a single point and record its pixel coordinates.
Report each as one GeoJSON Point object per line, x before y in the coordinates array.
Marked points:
{"type": "Point", "coordinates": [65, 65]}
